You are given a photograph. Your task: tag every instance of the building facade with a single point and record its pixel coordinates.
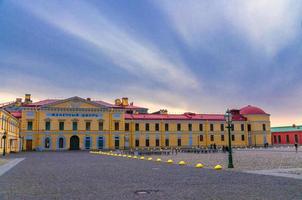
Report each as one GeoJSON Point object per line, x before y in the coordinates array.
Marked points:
{"type": "Point", "coordinates": [77, 123]}
{"type": "Point", "coordinates": [9, 132]}
{"type": "Point", "coordinates": [287, 135]}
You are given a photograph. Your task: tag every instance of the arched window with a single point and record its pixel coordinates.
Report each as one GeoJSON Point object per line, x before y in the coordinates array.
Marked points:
{"type": "Point", "coordinates": [61, 143]}
{"type": "Point", "coordinates": [47, 143]}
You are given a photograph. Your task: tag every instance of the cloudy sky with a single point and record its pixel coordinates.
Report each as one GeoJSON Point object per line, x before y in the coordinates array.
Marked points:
{"type": "Point", "coordinates": [200, 56]}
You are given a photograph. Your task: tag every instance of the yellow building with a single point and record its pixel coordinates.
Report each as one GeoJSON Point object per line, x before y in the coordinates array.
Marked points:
{"type": "Point", "coordinates": [9, 132]}
{"type": "Point", "coordinates": [77, 123]}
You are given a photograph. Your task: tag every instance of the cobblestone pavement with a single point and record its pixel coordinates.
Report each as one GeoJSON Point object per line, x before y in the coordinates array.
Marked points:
{"type": "Point", "coordinates": [80, 175]}
{"type": "Point", "coordinates": [244, 160]}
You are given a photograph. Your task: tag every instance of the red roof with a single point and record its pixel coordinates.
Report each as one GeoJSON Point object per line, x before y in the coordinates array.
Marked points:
{"type": "Point", "coordinates": [185, 116]}
{"type": "Point", "coordinates": [252, 110]}
{"type": "Point", "coordinates": [17, 114]}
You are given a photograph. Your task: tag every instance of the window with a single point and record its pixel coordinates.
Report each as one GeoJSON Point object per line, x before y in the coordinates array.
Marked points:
{"type": "Point", "coordinates": [147, 142]}
{"type": "Point", "coordinates": [137, 127]}
{"type": "Point", "coordinates": [88, 126]}
{"type": "Point", "coordinates": [232, 127]}
{"type": "Point", "coordinates": [166, 127]}
{"type": "Point", "coordinates": [147, 126]}
{"type": "Point", "coordinates": [201, 138]}
{"type": "Point", "coordinates": [127, 127]}
{"type": "Point", "coordinates": [233, 137]}
{"type": "Point", "coordinates": [29, 126]}
{"type": "Point", "coordinates": [200, 127]}
{"type": "Point", "coordinates": [156, 127]}
{"type": "Point", "coordinates": [167, 142]}
{"type": "Point", "coordinates": [47, 143]}
{"type": "Point", "coordinates": [87, 142]}
{"type": "Point", "coordinates": [222, 137]}
{"type": "Point", "coordinates": [116, 142]}
{"type": "Point", "coordinates": [279, 138]}
{"type": "Point", "coordinates": [178, 127]}
{"type": "Point", "coordinates": [249, 127]}
{"type": "Point", "coordinates": [242, 127]}
{"type": "Point", "coordinates": [61, 143]}
{"type": "Point", "coordinates": [116, 126]}
{"type": "Point", "coordinates": [47, 126]}
{"type": "Point", "coordinates": [74, 126]}
{"type": "Point", "coordinates": [212, 138]}
{"type": "Point", "coordinates": [242, 138]}
{"type": "Point", "coordinates": [137, 142]}
{"type": "Point", "coordinates": [157, 142]}
{"type": "Point", "coordinates": [296, 139]}
{"type": "Point", "coordinates": [190, 127]}
{"type": "Point", "coordinates": [101, 126]}
{"type": "Point", "coordinates": [275, 139]}
{"type": "Point", "coordinates": [211, 127]}
{"type": "Point", "coordinates": [264, 127]}
{"type": "Point", "coordinates": [61, 126]}
{"type": "Point", "coordinates": [222, 127]}
{"type": "Point", "coordinates": [287, 139]}
{"type": "Point", "coordinates": [100, 142]}
{"type": "Point", "coordinates": [179, 142]}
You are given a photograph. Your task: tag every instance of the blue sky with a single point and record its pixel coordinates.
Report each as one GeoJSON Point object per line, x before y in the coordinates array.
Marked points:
{"type": "Point", "coordinates": [200, 56]}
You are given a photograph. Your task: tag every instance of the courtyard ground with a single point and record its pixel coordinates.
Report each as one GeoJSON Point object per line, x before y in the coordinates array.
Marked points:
{"type": "Point", "coordinates": [80, 175]}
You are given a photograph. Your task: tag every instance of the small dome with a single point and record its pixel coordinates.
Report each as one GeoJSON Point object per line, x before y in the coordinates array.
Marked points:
{"type": "Point", "coordinates": [252, 110]}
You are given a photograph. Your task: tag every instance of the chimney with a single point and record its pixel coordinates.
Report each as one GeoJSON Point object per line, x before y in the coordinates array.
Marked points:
{"type": "Point", "coordinates": [125, 101]}
{"type": "Point", "coordinates": [18, 101]}
{"type": "Point", "coordinates": [88, 99]}
{"type": "Point", "coordinates": [117, 102]}
{"type": "Point", "coordinates": [27, 98]}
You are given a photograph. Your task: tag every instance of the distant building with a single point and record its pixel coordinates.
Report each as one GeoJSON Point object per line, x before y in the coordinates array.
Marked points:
{"type": "Point", "coordinates": [287, 135]}
{"type": "Point", "coordinates": [78, 123]}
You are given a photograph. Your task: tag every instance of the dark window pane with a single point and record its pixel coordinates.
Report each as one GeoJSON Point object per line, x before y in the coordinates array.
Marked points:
{"type": "Point", "coordinates": [127, 127]}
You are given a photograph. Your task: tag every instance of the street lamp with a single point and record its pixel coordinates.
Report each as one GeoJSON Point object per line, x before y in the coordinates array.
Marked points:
{"type": "Point", "coordinates": [228, 119]}
{"type": "Point", "coordinates": [4, 139]}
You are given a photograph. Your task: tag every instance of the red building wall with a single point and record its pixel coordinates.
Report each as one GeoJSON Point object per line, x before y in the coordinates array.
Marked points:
{"type": "Point", "coordinates": [287, 138]}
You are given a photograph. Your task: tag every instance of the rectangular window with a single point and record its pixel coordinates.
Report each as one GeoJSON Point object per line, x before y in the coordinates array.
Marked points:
{"type": "Point", "coordinates": [296, 139]}
{"type": "Point", "coordinates": [249, 128]}
{"type": "Point", "coordinates": [167, 142]}
{"type": "Point", "coordinates": [116, 142]}
{"type": "Point", "coordinates": [178, 127]}
{"type": "Point", "coordinates": [212, 138]}
{"type": "Point", "coordinates": [101, 126]}
{"type": "Point", "coordinates": [29, 126]}
{"type": "Point", "coordinates": [88, 126]}
{"type": "Point", "coordinates": [287, 139]}
{"type": "Point", "coordinates": [242, 138]}
{"type": "Point", "coordinates": [264, 127]}
{"type": "Point", "coordinates": [74, 126]}
{"type": "Point", "coordinates": [156, 127]}
{"type": "Point", "coordinates": [190, 127]}
{"type": "Point", "coordinates": [232, 127]}
{"type": "Point", "coordinates": [233, 137]}
{"type": "Point", "coordinates": [211, 127]}
{"type": "Point", "coordinates": [242, 127]}
{"type": "Point", "coordinates": [87, 143]}
{"type": "Point", "coordinates": [61, 126]}
{"type": "Point", "coordinates": [222, 127]}
{"type": "Point", "coordinates": [47, 126]}
{"type": "Point", "coordinates": [279, 138]}
{"type": "Point", "coordinates": [222, 137]}
{"type": "Point", "coordinates": [116, 126]}
{"type": "Point", "coordinates": [137, 142]}
{"type": "Point", "coordinates": [147, 143]}
{"type": "Point", "coordinates": [200, 127]}
{"type": "Point", "coordinates": [147, 127]}
{"type": "Point", "coordinates": [166, 127]}
{"type": "Point", "coordinates": [137, 127]}
{"type": "Point", "coordinates": [127, 127]}
{"type": "Point", "coordinates": [179, 142]}
{"type": "Point", "coordinates": [157, 142]}
{"type": "Point", "coordinates": [201, 138]}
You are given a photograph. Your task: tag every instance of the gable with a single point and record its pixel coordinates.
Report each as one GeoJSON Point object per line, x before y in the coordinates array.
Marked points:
{"type": "Point", "coordinates": [74, 102]}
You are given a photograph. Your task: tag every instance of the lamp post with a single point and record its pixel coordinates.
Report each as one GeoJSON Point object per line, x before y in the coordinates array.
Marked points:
{"type": "Point", "coordinates": [4, 140]}
{"type": "Point", "coordinates": [228, 119]}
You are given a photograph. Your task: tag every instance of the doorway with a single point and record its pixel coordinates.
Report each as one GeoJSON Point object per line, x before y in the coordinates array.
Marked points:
{"type": "Point", "coordinates": [74, 143]}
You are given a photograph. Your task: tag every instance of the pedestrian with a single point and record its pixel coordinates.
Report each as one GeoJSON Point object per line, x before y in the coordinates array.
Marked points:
{"type": "Point", "coordinates": [296, 147]}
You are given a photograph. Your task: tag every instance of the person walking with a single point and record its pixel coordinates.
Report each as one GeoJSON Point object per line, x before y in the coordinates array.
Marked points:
{"type": "Point", "coordinates": [296, 147]}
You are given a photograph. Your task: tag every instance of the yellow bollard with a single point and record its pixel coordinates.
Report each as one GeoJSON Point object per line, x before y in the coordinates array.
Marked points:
{"type": "Point", "coordinates": [199, 165]}
{"type": "Point", "coordinates": [149, 158]}
{"type": "Point", "coordinates": [142, 158]}
{"type": "Point", "coordinates": [182, 163]}
{"type": "Point", "coordinates": [129, 156]}
{"type": "Point", "coordinates": [135, 157]}
{"type": "Point", "coordinates": [158, 160]}
{"type": "Point", "coordinates": [124, 156]}
{"type": "Point", "coordinates": [218, 167]}
{"type": "Point", "coordinates": [170, 161]}
{"type": "Point", "coordinates": [119, 155]}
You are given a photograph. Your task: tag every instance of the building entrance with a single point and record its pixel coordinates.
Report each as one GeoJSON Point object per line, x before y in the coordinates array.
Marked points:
{"type": "Point", "coordinates": [74, 143]}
